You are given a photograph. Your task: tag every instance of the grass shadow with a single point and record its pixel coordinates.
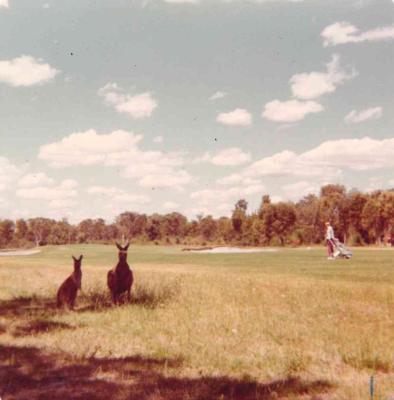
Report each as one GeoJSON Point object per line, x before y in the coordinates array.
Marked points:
{"type": "Point", "coordinates": [148, 295]}
{"type": "Point", "coordinates": [28, 306]}
{"type": "Point", "coordinates": [29, 373]}
{"type": "Point", "coordinates": [37, 326]}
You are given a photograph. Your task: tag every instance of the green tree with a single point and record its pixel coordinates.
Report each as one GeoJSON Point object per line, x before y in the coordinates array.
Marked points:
{"type": "Point", "coordinates": [239, 216]}
{"type": "Point", "coordinates": [7, 228]}
{"type": "Point", "coordinates": [21, 229]}
{"type": "Point", "coordinates": [284, 220]}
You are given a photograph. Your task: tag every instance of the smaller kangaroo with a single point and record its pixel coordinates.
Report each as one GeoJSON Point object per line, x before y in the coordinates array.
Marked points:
{"type": "Point", "coordinates": [67, 292]}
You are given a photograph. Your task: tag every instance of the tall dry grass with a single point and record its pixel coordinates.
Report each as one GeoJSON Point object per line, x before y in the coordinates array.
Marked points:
{"type": "Point", "coordinates": [253, 328]}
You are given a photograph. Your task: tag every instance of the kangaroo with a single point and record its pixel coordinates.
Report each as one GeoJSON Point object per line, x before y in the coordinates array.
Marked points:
{"type": "Point", "coordinates": [120, 279]}
{"type": "Point", "coordinates": [67, 292]}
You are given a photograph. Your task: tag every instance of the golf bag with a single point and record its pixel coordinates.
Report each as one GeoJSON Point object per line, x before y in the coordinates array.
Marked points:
{"type": "Point", "coordinates": [340, 249]}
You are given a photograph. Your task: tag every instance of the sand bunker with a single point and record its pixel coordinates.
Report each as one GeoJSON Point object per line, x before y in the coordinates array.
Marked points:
{"type": "Point", "coordinates": [220, 250]}
{"type": "Point", "coordinates": [19, 252]}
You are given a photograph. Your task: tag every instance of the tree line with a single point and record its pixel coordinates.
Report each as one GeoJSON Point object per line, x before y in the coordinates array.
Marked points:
{"type": "Point", "coordinates": [358, 219]}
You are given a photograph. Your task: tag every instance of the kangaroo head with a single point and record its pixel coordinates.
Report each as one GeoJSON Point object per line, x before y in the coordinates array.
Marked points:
{"type": "Point", "coordinates": [77, 262]}
{"type": "Point", "coordinates": [122, 251]}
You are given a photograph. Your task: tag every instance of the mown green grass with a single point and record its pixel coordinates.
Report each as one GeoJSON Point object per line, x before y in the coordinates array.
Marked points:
{"type": "Point", "coordinates": [235, 323]}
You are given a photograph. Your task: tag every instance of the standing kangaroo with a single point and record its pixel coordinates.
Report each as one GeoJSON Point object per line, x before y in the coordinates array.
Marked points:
{"type": "Point", "coordinates": [120, 279]}
{"type": "Point", "coordinates": [67, 292]}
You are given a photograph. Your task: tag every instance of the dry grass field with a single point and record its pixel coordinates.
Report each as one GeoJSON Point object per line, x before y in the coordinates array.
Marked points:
{"type": "Point", "coordinates": [281, 325]}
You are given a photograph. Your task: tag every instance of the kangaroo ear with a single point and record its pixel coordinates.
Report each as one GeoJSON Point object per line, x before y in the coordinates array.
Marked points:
{"type": "Point", "coordinates": [127, 246]}
{"type": "Point", "coordinates": [118, 246]}
{"type": "Point", "coordinates": [74, 258]}
{"type": "Point", "coordinates": [80, 258]}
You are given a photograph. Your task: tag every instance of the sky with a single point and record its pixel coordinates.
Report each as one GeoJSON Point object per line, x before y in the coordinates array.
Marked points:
{"type": "Point", "coordinates": [190, 105]}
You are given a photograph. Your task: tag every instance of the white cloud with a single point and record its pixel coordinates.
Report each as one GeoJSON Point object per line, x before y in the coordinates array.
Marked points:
{"type": "Point", "coordinates": [227, 157]}
{"type": "Point", "coordinates": [312, 85]}
{"type": "Point", "coordinates": [232, 179]}
{"type": "Point", "coordinates": [218, 95]}
{"type": "Point", "coordinates": [231, 1]}
{"type": "Point", "coordinates": [355, 154]}
{"type": "Point", "coordinates": [217, 202]}
{"type": "Point", "coordinates": [8, 173]}
{"type": "Point", "coordinates": [182, 1]}
{"type": "Point", "coordinates": [62, 204]}
{"type": "Point", "coordinates": [169, 179]}
{"type": "Point", "coordinates": [344, 32]}
{"type": "Point", "coordinates": [137, 106]}
{"type": "Point", "coordinates": [118, 148]}
{"type": "Point", "coordinates": [297, 190]}
{"type": "Point", "coordinates": [118, 195]}
{"type": "Point", "coordinates": [35, 179]}
{"type": "Point", "coordinates": [238, 117]}
{"type": "Point", "coordinates": [25, 71]}
{"type": "Point", "coordinates": [231, 156]}
{"type": "Point", "coordinates": [208, 197]}
{"type": "Point", "coordinates": [170, 205]}
{"type": "Point", "coordinates": [323, 163]}
{"type": "Point", "coordinates": [355, 117]}
{"type": "Point", "coordinates": [290, 110]}
{"type": "Point", "coordinates": [276, 199]}
{"type": "Point", "coordinates": [286, 163]}
{"type": "Point", "coordinates": [236, 179]}
{"type": "Point", "coordinates": [158, 139]}
{"type": "Point", "coordinates": [88, 148]}
{"type": "Point", "coordinates": [66, 189]}
{"type": "Point", "coordinates": [4, 3]}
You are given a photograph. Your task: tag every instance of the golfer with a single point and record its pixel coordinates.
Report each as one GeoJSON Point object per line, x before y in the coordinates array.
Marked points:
{"type": "Point", "coordinates": [330, 241]}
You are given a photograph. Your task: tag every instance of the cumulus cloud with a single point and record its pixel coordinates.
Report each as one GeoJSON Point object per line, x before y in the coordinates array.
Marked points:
{"type": "Point", "coordinates": [208, 197]}
{"type": "Point", "coordinates": [227, 157]}
{"type": "Point", "coordinates": [231, 156]}
{"type": "Point", "coordinates": [158, 139]}
{"type": "Point", "coordinates": [8, 172]}
{"type": "Point", "coordinates": [306, 87]}
{"type": "Point", "coordinates": [118, 195]}
{"type": "Point", "coordinates": [88, 148]}
{"type": "Point", "coordinates": [35, 179]}
{"type": "Point", "coordinates": [236, 179]}
{"type": "Point", "coordinates": [138, 106]}
{"type": "Point", "coordinates": [170, 205]}
{"type": "Point", "coordinates": [182, 1]}
{"type": "Point", "coordinates": [218, 95]}
{"type": "Point", "coordinates": [25, 71]}
{"type": "Point", "coordinates": [237, 117]}
{"type": "Point", "coordinates": [286, 163]}
{"type": "Point", "coordinates": [57, 196]}
{"type": "Point", "coordinates": [219, 200]}
{"type": "Point", "coordinates": [356, 154]}
{"type": "Point", "coordinates": [355, 117]}
{"type": "Point", "coordinates": [290, 110]}
{"type": "Point", "coordinates": [312, 85]}
{"type": "Point", "coordinates": [229, 1]}
{"type": "Point", "coordinates": [118, 149]}
{"type": "Point", "coordinates": [63, 204]}
{"type": "Point", "coordinates": [297, 190]}
{"type": "Point", "coordinates": [325, 162]}
{"type": "Point", "coordinates": [344, 32]}
{"type": "Point", "coordinates": [4, 3]}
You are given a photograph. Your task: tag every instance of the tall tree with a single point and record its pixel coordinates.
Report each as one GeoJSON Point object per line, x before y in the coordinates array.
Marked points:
{"type": "Point", "coordinates": [7, 228]}
{"type": "Point", "coordinates": [285, 219]}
